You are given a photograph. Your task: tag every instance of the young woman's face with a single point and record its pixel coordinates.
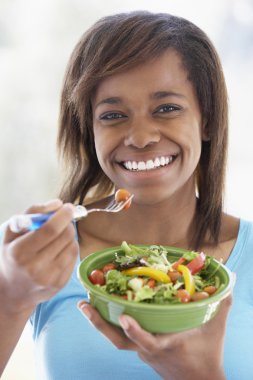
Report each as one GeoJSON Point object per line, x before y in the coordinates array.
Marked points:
{"type": "Point", "coordinates": [148, 129]}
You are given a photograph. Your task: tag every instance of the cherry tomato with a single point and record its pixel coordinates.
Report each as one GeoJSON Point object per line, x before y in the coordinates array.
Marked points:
{"type": "Point", "coordinates": [181, 260]}
{"type": "Point", "coordinates": [108, 267]}
{"type": "Point", "coordinates": [122, 195]}
{"type": "Point", "coordinates": [151, 282]}
{"type": "Point", "coordinates": [198, 296]}
{"type": "Point", "coordinates": [174, 275]}
{"type": "Point", "coordinates": [97, 277]}
{"type": "Point", "coordinates": [183, 295]}
{"type": "Point", "coordinates": [197, 264]}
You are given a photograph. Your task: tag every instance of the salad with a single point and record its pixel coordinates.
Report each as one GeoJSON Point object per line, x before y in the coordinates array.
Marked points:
{"type": "Point", "coordinates": [152, 275]}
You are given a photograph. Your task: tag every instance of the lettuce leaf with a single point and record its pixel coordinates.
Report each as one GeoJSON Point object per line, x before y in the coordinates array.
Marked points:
{"type": "Point", "coordinates": [116, 282]}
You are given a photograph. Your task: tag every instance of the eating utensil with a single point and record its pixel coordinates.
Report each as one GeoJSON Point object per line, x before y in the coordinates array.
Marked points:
{"type": "Point", "coordinates": [31, 222]}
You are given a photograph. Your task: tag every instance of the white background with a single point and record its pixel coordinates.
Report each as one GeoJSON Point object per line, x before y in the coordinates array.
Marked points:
{"type": "Point", "coordinates": [36, 39]}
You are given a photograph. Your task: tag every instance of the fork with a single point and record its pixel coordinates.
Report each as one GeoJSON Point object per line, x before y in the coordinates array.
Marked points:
{"type": "Point", "coordinates": [32, 222]}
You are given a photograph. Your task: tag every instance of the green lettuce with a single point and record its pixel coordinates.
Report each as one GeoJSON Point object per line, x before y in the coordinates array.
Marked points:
{"type": "Point", "coordinates": [116, 282]}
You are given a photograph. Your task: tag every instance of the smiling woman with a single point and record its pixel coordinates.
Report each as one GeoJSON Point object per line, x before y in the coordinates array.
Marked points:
{"type": "Point", "coordinates": [152, 132]}
{"type": "Point", "coordinates": [143, 107]}
{"type": "Point", "coordinates": [119, 110]}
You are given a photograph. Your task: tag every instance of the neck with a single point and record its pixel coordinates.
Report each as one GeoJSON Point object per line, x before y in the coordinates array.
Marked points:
{"type": "Point", "coordinates": [165, 224]}
{"type": "Point", "coordinates": [168, 222]}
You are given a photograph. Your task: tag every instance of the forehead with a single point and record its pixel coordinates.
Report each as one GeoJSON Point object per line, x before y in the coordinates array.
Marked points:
{"type": "Point", "coordinates": [165, 72]}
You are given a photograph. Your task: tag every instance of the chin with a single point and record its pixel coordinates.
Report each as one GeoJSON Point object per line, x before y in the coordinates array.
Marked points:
{"type": "Point", "coordinates": [150, 198]}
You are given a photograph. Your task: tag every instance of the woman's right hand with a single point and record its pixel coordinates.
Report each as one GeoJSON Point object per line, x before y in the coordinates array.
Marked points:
{"type": "Point", "coordinates": [35, 265]}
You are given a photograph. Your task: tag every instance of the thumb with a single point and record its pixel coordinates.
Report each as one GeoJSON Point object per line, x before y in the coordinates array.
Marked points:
{"type": "Point", "coordinates": [226, 304]}
{"type": "Point", "coordinates": [221, 318]}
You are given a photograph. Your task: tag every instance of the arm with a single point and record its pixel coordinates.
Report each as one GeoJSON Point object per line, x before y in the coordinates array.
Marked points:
{"type": "Point", "coordinates": [11, 327]}
{"type": "Point", "coordinates": [34, 266]}
{"type": "Point", "coordinates": [191, 355]}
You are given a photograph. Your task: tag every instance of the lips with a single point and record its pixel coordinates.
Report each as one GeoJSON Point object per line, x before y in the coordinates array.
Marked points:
{"type": "Point", "coordinates": [151, 164]}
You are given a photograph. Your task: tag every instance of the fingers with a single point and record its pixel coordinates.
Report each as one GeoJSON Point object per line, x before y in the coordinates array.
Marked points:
{"type": "Point", "coordinates": [113, 333]}
{"type": "Point", "coordinates": [53, 265]}
{"type": "Point", "coordinates": [66, 263]}
{"type": "Point", "coordinates": [52, 250]}
{"type": "Point", "coordinates": [56, 274]}
{"type": "Point", "coordinates": [147, 342]}
{"type": "Point", "coordinates": [151, 343]}
{"type": "Point", "coordinates": [49, 206]}
{"type": "Point", "coordinates": [218, 323]}
{"type": "Point", "coordinates": [143, 339]}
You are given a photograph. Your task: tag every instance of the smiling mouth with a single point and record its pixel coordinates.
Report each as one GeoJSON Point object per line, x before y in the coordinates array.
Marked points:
{"type": "Point", "coordinates": [156, 163]}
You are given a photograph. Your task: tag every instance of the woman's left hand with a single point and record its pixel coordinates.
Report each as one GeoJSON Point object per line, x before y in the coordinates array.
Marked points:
{"type": "Point", "coordinates": [195, 354]}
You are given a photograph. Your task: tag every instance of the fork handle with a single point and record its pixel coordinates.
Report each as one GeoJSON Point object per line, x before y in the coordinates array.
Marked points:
{"type": "Point", "coordinates": [32, 222]}
{"type": "Point", "coordinates": [28, 222]}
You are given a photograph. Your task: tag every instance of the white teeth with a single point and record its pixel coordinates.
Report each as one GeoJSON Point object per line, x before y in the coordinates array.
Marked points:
{"type": "Point", "coordinates": [141, 165]}
{"type": "Point", "coordinates": [148, 165]}
{"type": "Point", "coordinates": [162, 160]}
{"type": "Point", "coordinates": [129, 165]}
{"type": "Point", "coordinates": [157, 162]}
{"type": "Point", "coordinates": [134, 165]}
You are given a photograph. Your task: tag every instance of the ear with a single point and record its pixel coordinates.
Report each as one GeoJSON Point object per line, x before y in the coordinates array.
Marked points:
{"type": "Point", "coordinates": [205, 135]}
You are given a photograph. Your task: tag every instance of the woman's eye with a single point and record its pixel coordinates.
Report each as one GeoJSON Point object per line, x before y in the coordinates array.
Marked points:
{"type": "Point", "coordinates": [167, 108]}
{"type": "Point", "coordinates": [112, 116]}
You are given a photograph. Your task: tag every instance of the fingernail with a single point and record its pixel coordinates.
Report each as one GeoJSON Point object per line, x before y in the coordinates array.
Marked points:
{"type": "Point", "coordinates": [70, 206]}
{"type": "Point", "coordinates": [124, 323]}
{"type": "Point", "coordinates": [84, 309]}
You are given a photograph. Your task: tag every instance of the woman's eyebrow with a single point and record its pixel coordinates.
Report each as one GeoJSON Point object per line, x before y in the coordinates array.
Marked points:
{"type": "Point", "coordinates": [112, 100]}
{"type": "Point", "coordinates": [165, 94]}
{"type": "Point", "coordinates": [155, 95]}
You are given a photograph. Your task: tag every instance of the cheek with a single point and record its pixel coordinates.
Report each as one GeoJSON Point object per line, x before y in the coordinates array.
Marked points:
{"type": "Point", "coordinates": [99, 146]}
{"type": "Point", "coordinates": [98, 143]}
{"type": "Point", "coordinates": [191, 144]}
{"type": "Point", "coordinates": [103, 146]}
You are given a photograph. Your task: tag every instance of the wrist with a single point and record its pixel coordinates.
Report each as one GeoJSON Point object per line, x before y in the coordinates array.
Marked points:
{"type": "Point", "coordinates": [12, 306]}
{"type": "Point", "coordinates": [207, 374]}
{"type": "Point", "coordinates": [220, 375]}
{"type": "Point", "coordinates": [216, 372]}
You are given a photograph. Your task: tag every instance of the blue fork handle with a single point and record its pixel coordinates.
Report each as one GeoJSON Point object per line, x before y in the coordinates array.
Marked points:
{"type": "Point", "coordinates": [32, 222]}
{"type": "Point", "coordinates": [38, 220]}
{"type": "Point", "coordinates": [28, 222]}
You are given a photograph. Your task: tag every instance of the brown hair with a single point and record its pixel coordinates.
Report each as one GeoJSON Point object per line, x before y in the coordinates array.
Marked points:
{"type": "Point", "coordinates": [122, 41]}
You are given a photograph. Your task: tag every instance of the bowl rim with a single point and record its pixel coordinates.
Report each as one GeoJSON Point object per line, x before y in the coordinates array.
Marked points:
{"type": "Point", "coordinates": [145, 306]}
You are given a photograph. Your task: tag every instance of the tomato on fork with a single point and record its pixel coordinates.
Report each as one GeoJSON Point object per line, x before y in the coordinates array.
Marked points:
{"type": "Point", "coordinates": [123, 195]}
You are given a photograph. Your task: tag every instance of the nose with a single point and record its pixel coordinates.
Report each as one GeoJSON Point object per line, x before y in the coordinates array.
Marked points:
{"type": "Point", "coordinates": [142, 133]}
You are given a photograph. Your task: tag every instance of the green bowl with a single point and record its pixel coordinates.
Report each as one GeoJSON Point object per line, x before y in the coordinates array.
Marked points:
{"type": "Point", "coordinates": [153, 318]}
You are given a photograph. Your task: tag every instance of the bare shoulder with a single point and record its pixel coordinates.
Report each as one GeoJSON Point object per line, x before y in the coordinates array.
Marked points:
{"type": "Point", "coordinates": [227, 239]}
{"type": "Point", "coordinates": [229, 228]}
{"type": "Point", "coordinates": [228, 236]}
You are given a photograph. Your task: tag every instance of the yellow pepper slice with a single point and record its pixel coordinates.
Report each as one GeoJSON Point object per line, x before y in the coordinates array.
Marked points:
{"type": "Point", "coordinates": [156, 274]}
{"type": "Point", "coordinates": [188, 279]}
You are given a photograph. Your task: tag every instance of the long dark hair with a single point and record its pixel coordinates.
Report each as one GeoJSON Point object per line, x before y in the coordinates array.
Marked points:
{"type": "Point", "coordinates": [119, 42]}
